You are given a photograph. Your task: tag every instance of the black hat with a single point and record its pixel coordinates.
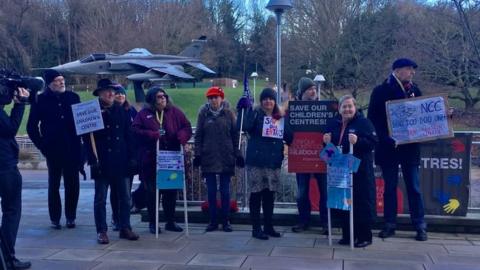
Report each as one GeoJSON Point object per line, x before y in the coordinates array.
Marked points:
{"type": "Point", "coordinates": [403, 62]}
{"type": "Point", "coordinates": [303, 84]}
{"type": "Point", "coordinates": [268, 93]}
{"type": "Point", "coordinates": [50, 75]}
{"type": "Point", "coordinates": [104, 84]}
{"type": "Point", "coordinates": [119, 89]}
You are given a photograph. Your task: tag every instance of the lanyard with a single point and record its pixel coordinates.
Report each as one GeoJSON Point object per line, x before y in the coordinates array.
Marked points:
{"type": "Point", "coordinates": [160, 119]}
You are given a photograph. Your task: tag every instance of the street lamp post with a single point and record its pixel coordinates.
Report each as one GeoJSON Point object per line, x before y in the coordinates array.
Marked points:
{"type": "Point", "coordinates": [279, 7]}
{"type": "Point", "coordinates": [318, 80]}
{"type": "Point", "coordinates": [254, 75]}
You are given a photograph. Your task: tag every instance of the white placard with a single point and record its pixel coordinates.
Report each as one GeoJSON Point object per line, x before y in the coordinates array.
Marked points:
{"type": "Point", "coordinates": [87, 116]}
{"type": "Point", "coordinates": [273, 128]}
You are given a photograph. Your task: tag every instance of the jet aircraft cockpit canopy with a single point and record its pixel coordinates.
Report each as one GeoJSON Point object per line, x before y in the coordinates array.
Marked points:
{"type": "Point", "coordinates": [93, 57]}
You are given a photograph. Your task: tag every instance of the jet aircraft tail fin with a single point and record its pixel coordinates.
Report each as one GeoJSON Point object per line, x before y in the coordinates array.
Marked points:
{"type": "Point", "coordinates": [195, 48]}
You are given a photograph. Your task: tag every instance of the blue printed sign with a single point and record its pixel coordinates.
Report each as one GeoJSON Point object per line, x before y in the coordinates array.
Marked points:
{"type": "Point", "coordinates": [328, 152]}
{"type": "Point", "coordinates": [170, 170]}
{"type": "Point", "coordinates": [339, 198]}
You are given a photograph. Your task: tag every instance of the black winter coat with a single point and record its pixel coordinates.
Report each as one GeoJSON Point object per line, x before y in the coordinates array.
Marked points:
{"type": "Point", "coordinates": [364, 192]}
{"type": "Point", "coordinates": [51, 126]}
{"type": "Point", "coordinates": [216, 140]}
{"type": "Point", "coordinates": [386, 153]}
{"type": "Point", "coordinates": [263, 152]}
{"type": "Point", "coordinates": [8, 129]}
{"type": "Point", "coordinates": [114, 144]}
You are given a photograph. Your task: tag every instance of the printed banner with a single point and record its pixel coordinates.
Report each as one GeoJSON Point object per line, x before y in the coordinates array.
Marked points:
{"type": "Point", "coordinates": [87, 116]}
{"type": "Point", "coordinates": [170, 170]}
{"type": "Point", "coordinates": [418, 119]}
{"type": "Point", "coordinates": [307, 120]}
{"type": "Point", "coordinates": [444, 178]}
{"type": "Point", "coordinates": [273, 128]}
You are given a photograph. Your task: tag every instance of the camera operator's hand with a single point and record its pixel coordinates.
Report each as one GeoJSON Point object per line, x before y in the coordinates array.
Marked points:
{"type": "Point", "coordinates": [21, 95]}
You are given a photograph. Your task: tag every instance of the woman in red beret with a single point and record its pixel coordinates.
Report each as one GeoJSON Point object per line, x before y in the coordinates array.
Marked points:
{"type": "Point", "coordinates": [216, 137]}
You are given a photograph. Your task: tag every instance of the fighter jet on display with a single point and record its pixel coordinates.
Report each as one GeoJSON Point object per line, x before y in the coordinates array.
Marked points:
{"type": "Point", "coordinates": [139, 64]}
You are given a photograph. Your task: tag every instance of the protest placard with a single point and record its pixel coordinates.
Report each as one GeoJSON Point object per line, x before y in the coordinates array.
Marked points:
{"type": "Point", "coordinates": [418, 119]}
{"type": "Point", "coordinates": [307, 120]}
{"type": "Point", "coordinates": [339, 198]}
{"type": "Point", "coordinates": [273, 128]}
{"type": "Point", "coordinates": [87, 116]}
{"type": "Point", "coordinates": [170, 170]}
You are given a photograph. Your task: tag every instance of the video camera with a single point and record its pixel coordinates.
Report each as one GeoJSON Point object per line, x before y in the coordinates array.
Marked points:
{"type": "Point", "coordinates": [10, 81]}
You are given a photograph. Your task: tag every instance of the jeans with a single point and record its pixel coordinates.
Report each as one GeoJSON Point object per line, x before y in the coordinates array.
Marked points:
{"type": "Point", "coordinates": [71, 182]}
{"type": "Point", "coordinates": [122, 186]}
{"type": "Point", "coordinates": [11, 195]}
{"type": "Point", "coordinates": [303, 198]}
{"type": "Point", "coordinates": [415, 200]}
{"type": "Point", "coordinates": [114, 201]}
{"type": "Point", "coordinates": [211, 180]}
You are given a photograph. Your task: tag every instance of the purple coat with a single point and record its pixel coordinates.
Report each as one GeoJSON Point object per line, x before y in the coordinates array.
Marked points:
{"type": "Point", "coordinates": [178, 131]}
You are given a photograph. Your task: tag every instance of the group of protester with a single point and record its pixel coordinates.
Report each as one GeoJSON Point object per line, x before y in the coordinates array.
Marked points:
{"type": "Point", "coordinates": [129, 142]}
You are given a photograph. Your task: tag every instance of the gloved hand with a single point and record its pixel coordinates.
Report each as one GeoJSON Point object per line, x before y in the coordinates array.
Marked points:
{"type": "Point", "coordinates": [197, 161]}
{"type": "Point", "coordinates": [244, 103]}
{"type": "Point", "coordinates": [240, 161]}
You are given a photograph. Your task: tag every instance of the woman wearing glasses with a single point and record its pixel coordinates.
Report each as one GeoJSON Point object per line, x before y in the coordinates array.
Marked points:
{"type": "Point", "coordinates": [160, 121]}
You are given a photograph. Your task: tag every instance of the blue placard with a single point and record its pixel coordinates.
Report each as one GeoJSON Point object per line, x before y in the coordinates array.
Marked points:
{"type": "Point", "coordinates": [170, 170]}
{"type": "Point", "coordinates": [339, 198]}
{"type": "Point", "coordinates": [339, 176]}
{"type": "Point", "coordinates": [328, 152]}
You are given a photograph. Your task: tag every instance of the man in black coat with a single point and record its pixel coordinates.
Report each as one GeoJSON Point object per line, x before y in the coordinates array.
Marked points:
{"type": "Point", "coordinates": [389, 155]}
{"type": "Point", "coordinates": [111, 158]}
{"type": "Point", "coordinates": [10, 178]}
{"type": "Point", "coordinates": [52, 129]}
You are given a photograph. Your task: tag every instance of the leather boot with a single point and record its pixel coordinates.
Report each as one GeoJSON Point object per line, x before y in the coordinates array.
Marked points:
{"type": "Point", "coordinates": [128, 234]}
{"type": "Point", "coordinates": [255, 200]}
{"type": "Point", "coordinates": [267, 205]}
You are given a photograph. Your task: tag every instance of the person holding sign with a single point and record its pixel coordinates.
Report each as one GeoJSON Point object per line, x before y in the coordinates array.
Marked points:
{"type": "Point", "coordinates": [160, 121]}
{"type": "Point", "coordinates": [52, 129]}
{"type": "Point", "coordinates": [111, 157]}
{"type": "Point", "coordinates": [351, 127]}
{"type": "Point", "coordinates": [216, 137]}
{"type": "Point", "coordinates": [265, 128]}
{"type": "Point", "coordinates": [307, 91]}
{"type": "Point", "coordinates": [389, 155]}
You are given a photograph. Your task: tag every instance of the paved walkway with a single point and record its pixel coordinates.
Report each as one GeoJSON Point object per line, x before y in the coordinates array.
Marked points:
{"type": "Point", "coordinates": [77, 248]}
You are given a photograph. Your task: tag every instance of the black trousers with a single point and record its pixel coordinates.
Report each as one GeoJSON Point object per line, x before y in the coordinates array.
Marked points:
{"type": "Point", "coordinates": [265, 200]}
{"type": "Point", "coordinates": [11, 196]}
{"type": "Point", "coordinates": [169, 201]}
{"type": "Point", "coordinates": [362, 230]}
{"type": "Point", "coordinates": [56, 169]}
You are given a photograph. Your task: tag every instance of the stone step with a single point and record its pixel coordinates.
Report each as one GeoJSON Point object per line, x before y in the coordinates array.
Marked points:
{"type": "Point", "coordinates": [288, 217]}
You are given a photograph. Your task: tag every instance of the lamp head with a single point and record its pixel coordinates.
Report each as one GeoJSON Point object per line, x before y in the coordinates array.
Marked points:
{"type": "Point", "coordinates": [279, 6]}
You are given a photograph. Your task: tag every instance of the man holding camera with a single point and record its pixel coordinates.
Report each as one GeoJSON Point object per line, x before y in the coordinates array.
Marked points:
{"type": "Point", "coordinates": [52, 129]}
{"type": "Point", "coordinates": [10, 178]}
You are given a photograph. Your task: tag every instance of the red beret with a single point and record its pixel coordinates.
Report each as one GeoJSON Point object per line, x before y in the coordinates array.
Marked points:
{"type": "Point", "coordinates": [215, 91]}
